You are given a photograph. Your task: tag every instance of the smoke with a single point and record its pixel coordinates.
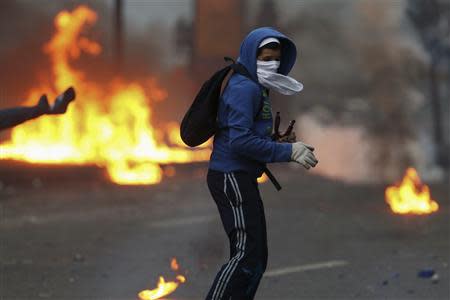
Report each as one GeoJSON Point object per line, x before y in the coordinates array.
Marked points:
{"type": "Point", "coordinates": [19, 37]}
{"type": "Point", "coordinates": [343, 151]}
{"type": "Point", "coordinates": [25, 65]}
{"type": "Point", "coordinates": [24, 28]}
{"type": "Point", "coordinates": [391, 62]}
{"type": "Point", "coordinates": [349, 153]}
{"type": "Point", "coordinates": [363, 68]}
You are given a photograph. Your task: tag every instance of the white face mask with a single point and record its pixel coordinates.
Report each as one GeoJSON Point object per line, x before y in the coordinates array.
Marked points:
{"type": "Point", "coordinates": [269, 78]}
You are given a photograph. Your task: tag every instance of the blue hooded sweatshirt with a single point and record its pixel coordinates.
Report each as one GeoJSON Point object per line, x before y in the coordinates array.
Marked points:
{"type": "Point", "coordinates": [243, 141]}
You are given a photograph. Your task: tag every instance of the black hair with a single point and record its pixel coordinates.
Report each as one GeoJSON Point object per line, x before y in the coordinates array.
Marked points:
{"type": "Point", "coordinates": [271, 45]}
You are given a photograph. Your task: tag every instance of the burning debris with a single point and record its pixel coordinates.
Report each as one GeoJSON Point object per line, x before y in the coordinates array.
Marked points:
{"type": "Point", "coordinates": [164, 288]}
{"type": "Point", "coordinates": [109, 125]}
{"type": "Point", "coordinates": [410, 196]}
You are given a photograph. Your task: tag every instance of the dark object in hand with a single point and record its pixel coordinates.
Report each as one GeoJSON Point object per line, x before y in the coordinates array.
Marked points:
{"type": "Point", "coordinates": [288, 136]}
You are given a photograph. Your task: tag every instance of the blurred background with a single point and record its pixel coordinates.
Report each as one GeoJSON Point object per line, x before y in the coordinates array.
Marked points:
{"type": "Point", "coordinates": [375, 73]}
{"type": "Point", "coordinates": [80, 192]}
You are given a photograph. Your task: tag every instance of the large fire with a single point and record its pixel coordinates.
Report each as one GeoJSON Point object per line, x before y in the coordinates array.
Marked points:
{"type": "Point", "coordinates": [107, 125]}
{"type": "Point", "coordinates": [410, 196]}
{"type": "Point", "coordinates": [164, 288]}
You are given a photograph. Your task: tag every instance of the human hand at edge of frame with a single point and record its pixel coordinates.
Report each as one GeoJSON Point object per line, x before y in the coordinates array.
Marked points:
{"type": "Point", "coordinates": [62, 101]}
{"type": "Point", "coordinates": [42, 106]}
{"type": "Point", "coordinates": [303, 154]}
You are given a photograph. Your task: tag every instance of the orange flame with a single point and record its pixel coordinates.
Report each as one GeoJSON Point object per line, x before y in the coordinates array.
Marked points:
{"type": "Point", "coordinates": [263, 178]}
{"type": "Point", "coordinates": [164, 288]}
{"type": "Point", "coordinates": [410, 196]}
{"type": "Point", "coordinates": [109, 126]}
{"type": "Point", "coordinates": [174, 264]}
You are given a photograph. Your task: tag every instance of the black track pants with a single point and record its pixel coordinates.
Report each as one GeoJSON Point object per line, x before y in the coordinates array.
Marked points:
{"type": "Point", "coordinates": [242, 212]}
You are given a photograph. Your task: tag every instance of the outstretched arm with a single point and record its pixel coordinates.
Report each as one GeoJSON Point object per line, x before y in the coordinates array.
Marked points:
{"type": "Point", "coordinates": [11, 117]}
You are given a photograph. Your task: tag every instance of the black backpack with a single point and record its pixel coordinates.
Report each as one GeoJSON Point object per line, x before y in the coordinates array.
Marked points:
{"type": "Point", "coordinates": [200, 121]}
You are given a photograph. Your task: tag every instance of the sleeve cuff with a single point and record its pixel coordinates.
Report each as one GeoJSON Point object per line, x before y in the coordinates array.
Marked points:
{"type": "Point", "coordinates": [283, 152]}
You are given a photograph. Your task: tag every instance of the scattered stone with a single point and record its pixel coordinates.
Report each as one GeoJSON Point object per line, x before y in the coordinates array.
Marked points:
{"type": "Point", "coordinates": [410, 291]}
{"type": "Point", "coordinates": [33, 219]}
{"type": "Point", "coordinates": [27, 261]}
{"type": "Point", "coordinates": [370, 288]}
{"type": "Point", "coordinates": [104, 275]}
{"type": "Point", "coordinates": [10, 190]}
{"type": "Point", "coordinates": [78, 257]}
{"type": "Point", "coordinates": [393, 276]}
{"type": "Point", "coordinates": [49, 244]}
{"type": "Point", "coordinates": [37, 183]}
{"type": "Point", "coordinates": [435, 278]}
{"type": "Point", "coordinates": [44, 295]}
{"type": "Point", "coordinates": [71, 280]}
{"type": "Point", "coordinates": [11, 262]}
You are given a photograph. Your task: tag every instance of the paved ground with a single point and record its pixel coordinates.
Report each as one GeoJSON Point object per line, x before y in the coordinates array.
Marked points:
{"type": "Point", "coordinates": [77, 237]}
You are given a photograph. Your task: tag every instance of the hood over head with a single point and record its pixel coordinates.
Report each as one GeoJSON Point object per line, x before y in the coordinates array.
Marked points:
{"type": "Point", "coordinates": [249, 49]}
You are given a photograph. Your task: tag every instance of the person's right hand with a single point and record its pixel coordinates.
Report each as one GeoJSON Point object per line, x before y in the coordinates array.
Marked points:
{"type": "Point", "coordinates": [303, 154]}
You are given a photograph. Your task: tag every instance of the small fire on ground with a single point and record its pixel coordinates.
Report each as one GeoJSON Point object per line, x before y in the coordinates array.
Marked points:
{"type": "Point", "coordinates": [410, 196]}
{"type": "Point", "coordinates": [164, 287]}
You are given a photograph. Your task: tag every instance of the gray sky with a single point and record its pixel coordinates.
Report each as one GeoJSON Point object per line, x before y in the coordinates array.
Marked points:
{"type": "Point", "coordinates": [140, 13]}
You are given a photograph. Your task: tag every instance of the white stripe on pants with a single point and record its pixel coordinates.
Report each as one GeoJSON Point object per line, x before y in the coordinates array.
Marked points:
{"type": "Point", "coordinates": [241, 237]}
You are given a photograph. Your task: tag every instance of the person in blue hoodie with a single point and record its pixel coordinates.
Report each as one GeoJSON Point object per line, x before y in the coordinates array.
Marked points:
{"type": "Point", "coordinates": [242, 148]}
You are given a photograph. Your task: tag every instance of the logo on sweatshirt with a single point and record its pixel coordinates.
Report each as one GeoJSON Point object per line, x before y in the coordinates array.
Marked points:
{"type": "Point", "coordinates": [266, 113]}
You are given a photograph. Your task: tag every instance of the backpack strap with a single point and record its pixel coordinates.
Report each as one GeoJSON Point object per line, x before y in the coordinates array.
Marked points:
{"type": "Point", "coordinates": [238, 67]}
{"type": "Point", "coordinates": [272, 178]}
{"type": "Point", "coordinates": [242, 70]}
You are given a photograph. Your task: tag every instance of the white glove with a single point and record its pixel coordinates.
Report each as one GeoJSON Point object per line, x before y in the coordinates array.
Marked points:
{"type": "Point", "coordinates": [303, 154]}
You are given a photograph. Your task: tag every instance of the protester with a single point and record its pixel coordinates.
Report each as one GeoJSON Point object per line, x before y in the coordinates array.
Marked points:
{"type": "Point", "coordinates": [242, 148]}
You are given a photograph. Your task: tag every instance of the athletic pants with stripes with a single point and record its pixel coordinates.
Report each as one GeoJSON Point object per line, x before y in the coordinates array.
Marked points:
{"type": "Point", "coordinates": [242, 212]}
